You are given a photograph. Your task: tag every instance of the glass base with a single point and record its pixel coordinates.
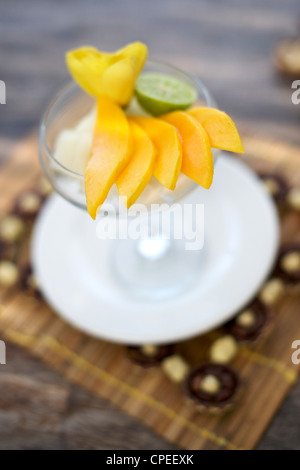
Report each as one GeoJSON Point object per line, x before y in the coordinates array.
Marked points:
{"type": "Point", "coordinates": [154, 268]}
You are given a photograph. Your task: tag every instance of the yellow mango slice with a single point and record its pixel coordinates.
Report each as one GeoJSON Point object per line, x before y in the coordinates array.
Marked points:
{"type": "Point", "coordinates": [138, 171]}
{"type": "Point", "coordinates": [107, 74]}
{"type": "Point", "coordinates": [86, 66]}
{"type": "Point", "coordinates": [117, 81]}
{"type": "Point", "coordinates": [220, 128]}
{"type": "Point", "coordinates": [109, 154]}
{"type": "Point", "coordinates": [197, 158]}
{"type": "Point", "coordinates": [137, 51]}
{"type": "Point", "coordinates": [169, 151]}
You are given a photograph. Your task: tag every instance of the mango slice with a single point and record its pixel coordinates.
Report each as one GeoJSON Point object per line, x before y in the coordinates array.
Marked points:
{"type": "Point", "coordinates": [169, 151]}
{"type": "Point", "coordinates": [109, 155]}
{"type": "Point", "coordinates": [137, 173]}
{"type": "Point", "coordinates": [107, 74]}
{"type": "Point", "coordinates": [137, 51]}
{"type": "Point", "coordinates": [197, 158]}
{"type": "Point", "coordinates": [86, 66]}
{"type": "Point", "coordinates": [220, 128]}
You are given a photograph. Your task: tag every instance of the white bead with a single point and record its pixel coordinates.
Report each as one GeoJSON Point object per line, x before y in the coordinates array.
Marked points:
{"type": "Point", "coordinates": [11, 228]}
{"type": "Point", "coordinates": [175, 368]}
{"type": "Point", "coordinates": [210, 384]}
{"type": "Point", "coordinates": [223, 350]}
{"type": "Point", "coordinates": [9, 273]}
{"type": "Point", "coordinates": [271, 291]}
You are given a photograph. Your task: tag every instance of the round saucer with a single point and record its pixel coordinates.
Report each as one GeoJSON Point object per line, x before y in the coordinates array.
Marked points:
{"type": "Point", "coordinates": [241, 242]}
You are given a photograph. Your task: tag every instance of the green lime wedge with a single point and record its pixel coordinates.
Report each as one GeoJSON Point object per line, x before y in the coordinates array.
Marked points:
{"type": "Point", "coordinates": [159, 94]}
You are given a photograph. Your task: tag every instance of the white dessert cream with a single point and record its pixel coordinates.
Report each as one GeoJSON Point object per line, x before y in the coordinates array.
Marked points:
{"type": "Point", "coordinates": [73, 146]}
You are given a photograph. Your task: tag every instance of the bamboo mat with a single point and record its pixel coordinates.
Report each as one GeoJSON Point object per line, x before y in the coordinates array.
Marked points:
{"type": "Point", "coordinates": [266, 370]}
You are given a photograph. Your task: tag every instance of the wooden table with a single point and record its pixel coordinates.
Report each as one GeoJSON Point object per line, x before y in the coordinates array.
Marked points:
{"type": "Point", "coordinates": [229, 45]}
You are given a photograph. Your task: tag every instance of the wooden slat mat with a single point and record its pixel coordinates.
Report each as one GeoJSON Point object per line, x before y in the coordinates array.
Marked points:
{"type": "Point", "coordinates": [266, 369]}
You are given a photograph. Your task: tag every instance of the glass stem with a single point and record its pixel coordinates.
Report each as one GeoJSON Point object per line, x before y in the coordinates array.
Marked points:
{"type": "Point", "coordinates": [153, 248]}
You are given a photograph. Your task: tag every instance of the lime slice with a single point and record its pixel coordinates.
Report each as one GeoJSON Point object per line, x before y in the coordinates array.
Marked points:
{"type": "Point", "coordinates": [159, 94]}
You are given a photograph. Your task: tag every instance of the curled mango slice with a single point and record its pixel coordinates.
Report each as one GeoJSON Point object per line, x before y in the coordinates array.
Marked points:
{"type": "Point", "coordinates": [197, 158]}
{"type": "Point", "coordinates": [107, 74]}
{"type": "Point", "coordinates": [136, 175]}
{"type": "Point", "coordinates": [220, 128]}
{"type": "Point", "coordinates": [110, 152]}
{"type": "Point", "coordinates": [169, 150]}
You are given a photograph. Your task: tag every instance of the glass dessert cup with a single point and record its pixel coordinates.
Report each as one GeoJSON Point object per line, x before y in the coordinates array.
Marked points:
{"type": "Point", "coordinates": [156, 263]}
{"type": "Point", "coordinates": [150, 289]}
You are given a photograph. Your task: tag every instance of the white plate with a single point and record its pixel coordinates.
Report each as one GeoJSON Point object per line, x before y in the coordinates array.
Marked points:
{"type": "Point", "coordinates": [241, 241]}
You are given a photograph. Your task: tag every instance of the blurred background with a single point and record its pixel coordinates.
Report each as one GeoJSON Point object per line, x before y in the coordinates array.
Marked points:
{"type": "Point", "coordinates": [231, 45]}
